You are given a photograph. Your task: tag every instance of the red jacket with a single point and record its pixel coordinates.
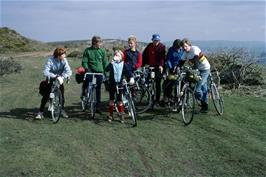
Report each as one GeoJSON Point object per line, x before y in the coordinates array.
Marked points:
{"type": "Point", "coordinates": [154, 55]}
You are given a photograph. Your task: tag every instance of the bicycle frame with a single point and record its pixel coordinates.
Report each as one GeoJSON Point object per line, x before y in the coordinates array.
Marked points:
{"type": "Point", "coordinates": [90, 98]}
{"type": "Point", "coordinates": [126, 100]}
{"type": "Point", "coordinates": [55, 101]}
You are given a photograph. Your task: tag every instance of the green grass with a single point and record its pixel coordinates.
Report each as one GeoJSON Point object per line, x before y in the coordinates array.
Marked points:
{"type": "Point", "coordinates": [229, 145]}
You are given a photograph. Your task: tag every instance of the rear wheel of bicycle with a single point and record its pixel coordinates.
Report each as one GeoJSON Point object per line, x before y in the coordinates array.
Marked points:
{"type": "Point", "coordinates": [132, 111]}
{"type": "Point", "coordinates": [188, 106]}
{"type": "Point", "coordinates": [142, 99]}
{"type": "Point", "coordinates": [217, 99]}
{"type": "Point", "coordinates": [56, 104]}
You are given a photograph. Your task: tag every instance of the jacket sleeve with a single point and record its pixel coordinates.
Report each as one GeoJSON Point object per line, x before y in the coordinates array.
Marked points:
{"type": "Point", "coordinates": [67, 71]}
{"type": "Point", "coordinates": [47, 69]}
{"type": "Point", "coordinates": [139, 61]}
{"type": "Point", "coordinates": [105, 60]}
{"type": "Point", "coordinates": [168, 59]}
{"type": "Point", "coordinates": [162, 56]}
{"type": "Point", "coordinates": [85, 58]}
{"type": "Point", "coordinates": [145, 56]}
{"type": "Point", "coordinates": [108, 68]}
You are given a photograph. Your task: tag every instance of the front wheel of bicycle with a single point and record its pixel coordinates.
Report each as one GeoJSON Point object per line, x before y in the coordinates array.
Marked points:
{"type": "Point", "coordinates": [132, 111]}
{"type": "Point", "coordinates": [217, 99]}
{"type": "Point", "coordinates": [56, 105]}
{"type": "Point", "coordinates": [142, 99]}
{"type": "Point", "coordinates": [92, 101]}
{"type": "Point", "coordinates": [188, 106]}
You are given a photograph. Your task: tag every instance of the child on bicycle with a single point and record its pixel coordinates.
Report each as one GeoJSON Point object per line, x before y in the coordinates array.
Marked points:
{"type": "Point", "coordinates": [118, 69]}
{"type": "Point", "coordinates": [57, 67]}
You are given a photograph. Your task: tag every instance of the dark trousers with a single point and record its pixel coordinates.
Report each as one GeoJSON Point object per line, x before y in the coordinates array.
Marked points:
{"type": "Point", "coordinates": [158, 79]}
{"type": "Point", "coordinates": [45, 97]}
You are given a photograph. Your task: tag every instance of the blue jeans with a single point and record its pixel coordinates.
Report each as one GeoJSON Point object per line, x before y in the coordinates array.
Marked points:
{"type": "Point", "coordinates": [201, 91]}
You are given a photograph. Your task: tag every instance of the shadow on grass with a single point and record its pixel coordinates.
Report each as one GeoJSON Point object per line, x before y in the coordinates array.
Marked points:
{"type": "Point", "coordinates": [159, 114]}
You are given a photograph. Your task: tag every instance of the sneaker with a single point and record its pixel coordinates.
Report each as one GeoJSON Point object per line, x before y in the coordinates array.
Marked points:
{"type": "Point", "coordinates": [39, 115]}
{"type": "Point", "coordinates": [63, 113]}
{"type": "Point", "coordinates": [122, 119]}
{"type": "Point", "coordinates": [109, 118]}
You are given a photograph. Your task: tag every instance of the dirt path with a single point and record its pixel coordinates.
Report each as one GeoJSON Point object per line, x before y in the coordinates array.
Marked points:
{"type": "Point", "coordinates": [28, 54]}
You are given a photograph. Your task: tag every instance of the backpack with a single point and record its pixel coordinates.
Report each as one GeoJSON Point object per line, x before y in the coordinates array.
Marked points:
{"type": "Point", "coordinates": [43, 87]}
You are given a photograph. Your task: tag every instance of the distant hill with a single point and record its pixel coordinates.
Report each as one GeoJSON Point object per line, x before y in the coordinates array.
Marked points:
{"type": "Point", "coordinates": [257, 48]}
{"type": "Point", "coordinates": [11, 41]}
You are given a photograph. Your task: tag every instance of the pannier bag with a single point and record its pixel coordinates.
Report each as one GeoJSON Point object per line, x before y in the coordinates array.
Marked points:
{"type": "Point", "coordinates": [43, 87]}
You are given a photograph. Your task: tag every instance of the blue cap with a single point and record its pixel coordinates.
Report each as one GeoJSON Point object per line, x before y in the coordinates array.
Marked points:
{"type": "Point", "coordinates": [155, 37]}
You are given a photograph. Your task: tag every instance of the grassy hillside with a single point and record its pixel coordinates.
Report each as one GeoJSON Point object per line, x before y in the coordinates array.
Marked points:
{"type": "Point", "coordinates": [11, 41]}
{"type": "Point", "coordinates": [230, 145]}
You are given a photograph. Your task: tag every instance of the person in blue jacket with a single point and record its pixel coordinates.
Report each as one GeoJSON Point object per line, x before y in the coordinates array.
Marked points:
{"type": "Point", "coordinates": [173, 57]}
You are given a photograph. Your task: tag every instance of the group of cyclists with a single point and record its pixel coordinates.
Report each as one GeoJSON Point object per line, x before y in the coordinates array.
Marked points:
{"type": "Point", "coordinates": [124, 64]}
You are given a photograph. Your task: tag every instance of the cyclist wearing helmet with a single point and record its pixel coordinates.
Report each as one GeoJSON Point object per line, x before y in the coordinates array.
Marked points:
{"type": "Point", "coordinates": [95, 61]}
{"type": "Point", "coordinates": [195, 56]}
{"type": "Point", "coordinates": [154, 56]}
{"type": "Point", "coordinates": [56, 67]}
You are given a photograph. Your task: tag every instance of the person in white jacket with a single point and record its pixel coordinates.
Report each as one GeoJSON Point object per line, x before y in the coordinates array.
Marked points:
{"type": "Point", "coordinates": [56, 67]}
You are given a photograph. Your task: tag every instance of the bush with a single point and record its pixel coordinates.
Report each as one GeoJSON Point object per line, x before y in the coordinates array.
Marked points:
{"type": "Point", "coordinates": [236, 67]}
{"type": "Point", "coordinates": [8, 66]}
{"type": "Point", "coordinates": [75, 54]}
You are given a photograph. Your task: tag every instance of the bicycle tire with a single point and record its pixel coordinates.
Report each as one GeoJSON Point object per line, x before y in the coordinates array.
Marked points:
{"type": "Point", "coordinates": [56, 103]}
{"type": "Point", "coordinates": [142, 99]}
{"type": "Point", "coordinates": [92, 102]}
{"type": "Point", "coordinates": [188, 105]}
{"type": "Point", "coordinates": [217, 99]}
{"type": "Point", "coordinates": [132, 111]}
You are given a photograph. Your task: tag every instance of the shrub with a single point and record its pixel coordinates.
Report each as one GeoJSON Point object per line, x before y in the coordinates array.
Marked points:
{"type": "Point", "coordinates": [8, 66]}
{"type": "Point", "coordinates": [236, 67]}
{"type": "Point", "coordinates": [75, 54]}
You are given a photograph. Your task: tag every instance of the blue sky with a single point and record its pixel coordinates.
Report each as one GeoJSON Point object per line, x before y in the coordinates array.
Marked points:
{"type": "Point", "coordinates": [198, 20]}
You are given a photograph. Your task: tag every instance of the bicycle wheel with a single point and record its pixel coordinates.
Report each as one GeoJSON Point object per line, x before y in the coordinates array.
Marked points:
{"type": "Point", "coordinates": [142, 99]}
{"type": "Point", "coordinates": [132, 111]}
{"type": "Point", "coordinates": [217, 99]}
{"type": "Point", "coordinates": [56, 105]}
{"type": "Point", "coordinates": [188, 106]}
{"type": "Point", "coordinates": [92, 102]}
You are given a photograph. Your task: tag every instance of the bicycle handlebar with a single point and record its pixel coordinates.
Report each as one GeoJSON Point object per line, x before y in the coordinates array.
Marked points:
{"type": "Point", "coordinates": [93, 74]}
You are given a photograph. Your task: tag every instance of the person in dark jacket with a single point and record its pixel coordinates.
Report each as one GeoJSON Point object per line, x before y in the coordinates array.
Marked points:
{"type": "Point", "coordinates": [132, 57]}
{"type": "Point", "coordinates": [154, 56]}
{"type": "Point", "coordinates": [118, 70]}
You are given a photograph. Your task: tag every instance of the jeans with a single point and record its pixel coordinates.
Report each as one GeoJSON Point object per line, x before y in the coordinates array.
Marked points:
{"type": "Point", "coordinates": [201, 91]}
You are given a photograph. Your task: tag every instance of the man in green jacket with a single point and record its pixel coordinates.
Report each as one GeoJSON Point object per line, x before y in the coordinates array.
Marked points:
{"type": "Point", "coordinates": [95, 61]}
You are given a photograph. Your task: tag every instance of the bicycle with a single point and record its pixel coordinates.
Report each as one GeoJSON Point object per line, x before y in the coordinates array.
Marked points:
{"type": "Point", "coordinates": [55, 101]}
{"type": "Point", "coordinates": [183, 100]}
{"type": "Point", "coordinates": [141, 94]}
{"type": "Point", "coordinates": [89, 100]}
{"type": "Point", "coordinates": [214, 92]}
{"type": "Point", "coordinates": [127, 101]}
